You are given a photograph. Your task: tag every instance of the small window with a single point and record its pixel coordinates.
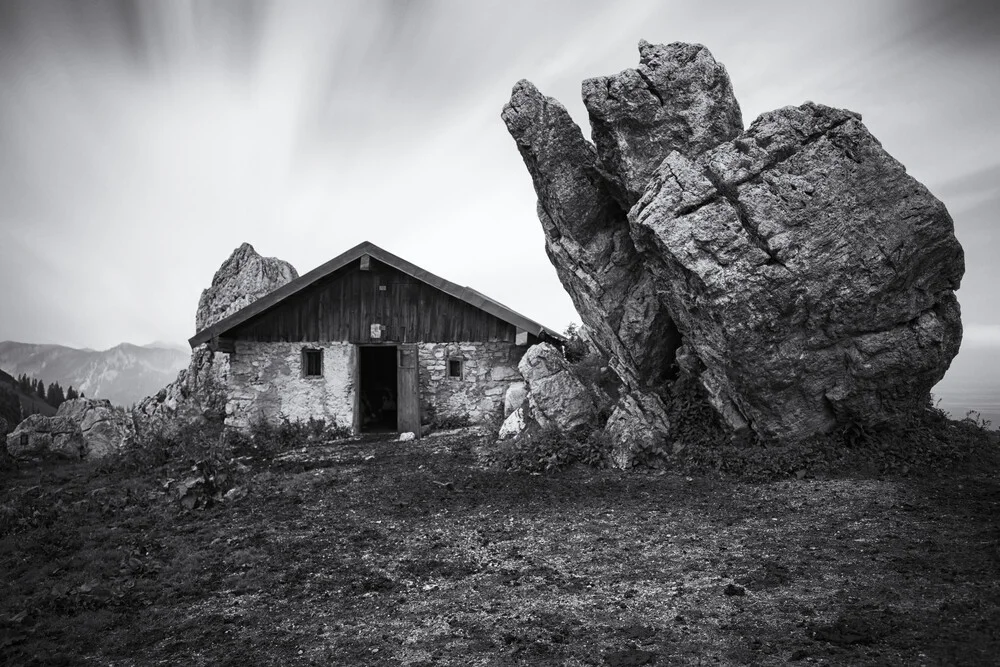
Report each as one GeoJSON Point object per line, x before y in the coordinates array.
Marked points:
{"type": "Point", "coordinates": [24, 439]}
{"type": "Point", "coordinates": [312, 363]}
{"type": "Point", "coordinates": [454, 368]}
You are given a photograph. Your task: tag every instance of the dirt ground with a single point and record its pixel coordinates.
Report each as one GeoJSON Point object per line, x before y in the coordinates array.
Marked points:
{"type": "Point", "coordinates": [386, 553]}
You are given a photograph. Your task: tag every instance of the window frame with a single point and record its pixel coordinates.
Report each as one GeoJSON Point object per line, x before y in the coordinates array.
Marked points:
{"type": "Point", "coordinates": [461, 368]}
{"type": "Point", "coordinates": [311, 352]}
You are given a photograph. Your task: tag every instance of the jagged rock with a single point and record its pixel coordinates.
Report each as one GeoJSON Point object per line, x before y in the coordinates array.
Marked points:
{"type": "Point", "coordinates": [104, 428]}
{"type": "Point", "coordinates": [241, 280]}
{"type": "Point", "coordinates": [678, 99]}
{"type": "Point", "coordinates": [40, 437]}
{"type": "Point", "coordinates": [795, 269]}
{"type": "Point", "coordinates": [514, 397]}
{"type": "Point", "coordinates": [587, 240]}
{"type": "Point", "coordinates": [555, 395]}
{"type": "Point", "coordinates": [199, 392]}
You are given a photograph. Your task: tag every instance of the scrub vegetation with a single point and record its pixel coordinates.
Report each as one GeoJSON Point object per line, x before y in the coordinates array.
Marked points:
{"type": "Point", "coordinates": [293, 548]}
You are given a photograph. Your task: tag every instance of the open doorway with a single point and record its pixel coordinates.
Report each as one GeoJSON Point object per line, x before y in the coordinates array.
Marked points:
{"type": "Point", "coordinates": [377, 388]}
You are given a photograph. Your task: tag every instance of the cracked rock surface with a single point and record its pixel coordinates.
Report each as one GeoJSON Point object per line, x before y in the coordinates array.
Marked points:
{"type": "Point", "coordinates": [242, 279]}
{"type": "Point", "coordinates": [796, 268]}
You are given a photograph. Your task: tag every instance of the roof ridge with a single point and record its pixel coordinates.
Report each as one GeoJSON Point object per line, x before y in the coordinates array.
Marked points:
{"type": "Point", "coordinates": [272, 299]}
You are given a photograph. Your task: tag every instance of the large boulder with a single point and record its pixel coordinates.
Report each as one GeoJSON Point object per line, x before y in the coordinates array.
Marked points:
{"type": "Point", "coordinates": [795, 268]}
{"type": "Point", "coordinates": [40, 437]}
{"type": "Point", "coordinates": [105, 429]}
{"type": "Point", "coordinates": [242, 279]}
{"type": "Point", "coordinates": [811, 276]}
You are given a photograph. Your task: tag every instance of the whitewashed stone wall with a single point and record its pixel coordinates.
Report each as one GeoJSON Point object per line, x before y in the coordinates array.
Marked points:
{"type": "Point", "coordinates": [266, 380]}
{"type": "Point", "coordinates": [488, 369]}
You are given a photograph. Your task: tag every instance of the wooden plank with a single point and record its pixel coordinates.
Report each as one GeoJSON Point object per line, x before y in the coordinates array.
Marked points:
{"type": "Point", "coordinates": [407, 389]}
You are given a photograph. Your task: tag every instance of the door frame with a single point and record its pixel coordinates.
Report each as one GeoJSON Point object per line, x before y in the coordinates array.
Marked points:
{"type": "Point", "coordinates": [357, 381]}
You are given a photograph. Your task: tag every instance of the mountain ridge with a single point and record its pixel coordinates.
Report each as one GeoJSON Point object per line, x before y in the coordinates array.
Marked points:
{"type": "Point", "coordinates": [124, 374]}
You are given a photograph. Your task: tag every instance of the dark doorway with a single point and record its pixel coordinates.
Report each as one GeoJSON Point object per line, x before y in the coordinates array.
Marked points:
{"type": "Point", "coordinates": [377, 386]}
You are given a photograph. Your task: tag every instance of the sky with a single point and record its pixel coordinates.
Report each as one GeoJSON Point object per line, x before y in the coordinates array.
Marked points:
{"type": "Point", "coordinates": [141, 142]}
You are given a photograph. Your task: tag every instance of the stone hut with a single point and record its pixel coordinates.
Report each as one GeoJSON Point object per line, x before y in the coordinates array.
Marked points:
{"type": "Point", "coordinates": [371, 342]}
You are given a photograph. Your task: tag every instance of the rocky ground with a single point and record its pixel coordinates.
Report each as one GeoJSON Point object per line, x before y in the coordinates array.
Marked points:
{"type": "Point", "coordinates": [385, 553]}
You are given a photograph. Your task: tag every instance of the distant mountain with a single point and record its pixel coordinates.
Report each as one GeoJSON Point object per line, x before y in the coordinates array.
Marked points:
{"type": "Point", "coordinates": [124, 374]}
{"type": "Point", "coordinates": [166, 345]}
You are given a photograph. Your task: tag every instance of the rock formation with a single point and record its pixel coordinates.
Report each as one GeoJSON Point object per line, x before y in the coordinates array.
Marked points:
{"type": "Point", "coordinates": [554, 395]}
{"type": "Point", "coordinates": [241, 280]}
{"type": "Point", "coordinates": [81, 428]}
{"type": "Point", "coordinates": [200, 390]}
{"type": "Point", "coordinates": [40, 437]}
{"type": "Point", "coordinates": [105, 429]}
{"type": "Point", "coordinates": [794, 268]}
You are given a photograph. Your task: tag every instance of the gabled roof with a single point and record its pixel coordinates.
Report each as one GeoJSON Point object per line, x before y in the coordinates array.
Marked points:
{"type": "Point", "coordinates": [466, 294]}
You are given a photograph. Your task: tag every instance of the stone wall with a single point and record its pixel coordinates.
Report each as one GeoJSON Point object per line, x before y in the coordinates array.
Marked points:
{"type": "Point", "coordinates": [487, 370]}
{"type": "Point", "coordinates": [266, 380]}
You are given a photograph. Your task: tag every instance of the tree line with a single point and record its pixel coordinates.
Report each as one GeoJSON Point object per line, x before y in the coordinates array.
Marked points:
{"type": "Point", "coordinates": [53, 394]}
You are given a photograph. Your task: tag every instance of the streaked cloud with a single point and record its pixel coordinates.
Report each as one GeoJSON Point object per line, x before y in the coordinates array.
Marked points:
{"type": "Point", "coordinates": [142, 142]}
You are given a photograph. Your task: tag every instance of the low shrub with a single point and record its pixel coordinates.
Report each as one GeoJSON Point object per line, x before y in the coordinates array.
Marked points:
{"type": "Point", "coordinates": [545, 450]}
{"type": "Point", "coordinates": [446, 422]}
{"type": "Point", "coordinates": [266, 439]}
{"type": "Point", "coordinates": [920, 442]}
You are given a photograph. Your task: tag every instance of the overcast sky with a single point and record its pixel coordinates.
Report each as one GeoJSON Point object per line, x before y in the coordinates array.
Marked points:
{"type": "Point", "coordinates": [140, 143]}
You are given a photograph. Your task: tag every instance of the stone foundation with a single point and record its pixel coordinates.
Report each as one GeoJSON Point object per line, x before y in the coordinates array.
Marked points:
{"type": "Point", "coordinates": [266, 381]}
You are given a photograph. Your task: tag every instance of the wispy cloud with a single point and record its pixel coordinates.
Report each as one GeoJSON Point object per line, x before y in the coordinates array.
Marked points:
{"type": "Point", "coordinates": [142, 141]}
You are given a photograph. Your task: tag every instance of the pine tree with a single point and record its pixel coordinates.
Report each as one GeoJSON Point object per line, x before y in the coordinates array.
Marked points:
{"type": "Point", "coordinates": [71, 393]}
{"type": "Point", "coordinates": [54, 396]}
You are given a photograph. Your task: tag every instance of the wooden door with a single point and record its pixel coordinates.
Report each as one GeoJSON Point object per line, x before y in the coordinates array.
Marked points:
{"type": "Point", "coordinates": [407, 389]}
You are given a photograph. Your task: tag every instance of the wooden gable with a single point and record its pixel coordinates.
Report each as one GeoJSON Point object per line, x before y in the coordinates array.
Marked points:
{"type": "Point", "coordinates": [344, 305]}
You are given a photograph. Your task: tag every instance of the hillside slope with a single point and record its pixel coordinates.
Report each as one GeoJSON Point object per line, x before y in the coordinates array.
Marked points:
{"type": "Point", "coordinates": [124, 374]}
{"type": "Point", "coordinates": [30, 404]}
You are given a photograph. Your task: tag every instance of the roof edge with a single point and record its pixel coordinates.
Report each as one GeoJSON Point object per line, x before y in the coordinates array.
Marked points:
{"type": "Point", "coordinates": [466, 294]}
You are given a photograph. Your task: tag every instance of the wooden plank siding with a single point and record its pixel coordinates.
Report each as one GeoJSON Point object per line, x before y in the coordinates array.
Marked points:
{"type": "Point", "coordinates": [344, 305]}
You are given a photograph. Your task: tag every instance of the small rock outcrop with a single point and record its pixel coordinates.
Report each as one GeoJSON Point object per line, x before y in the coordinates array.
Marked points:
{"type": "Point", "coordinates": [794, 268]}
{"type": "Point", "coordinates": [104, 428]}
{"type": "Point", "coordinates": [199, 392]}
{"type": "Point", "coordinates": [40, 437]}
{"type": "Point", "coordinates": [242, 279]}
{"type": "Point", "coordinates": [554, 395]}
{"type": "Point", "coordinates": [81, 428]}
